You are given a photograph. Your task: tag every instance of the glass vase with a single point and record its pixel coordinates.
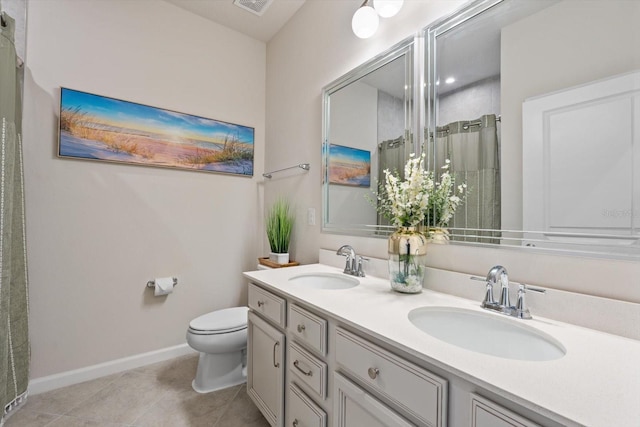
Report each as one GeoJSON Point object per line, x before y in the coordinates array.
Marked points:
{"type": "Point", "coordinates": [407, 260]}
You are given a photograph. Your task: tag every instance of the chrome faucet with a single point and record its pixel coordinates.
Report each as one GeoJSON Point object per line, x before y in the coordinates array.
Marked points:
{"type": "Point", "coordinates": [499, 274]}
{"type": "Point", "coordinates": [354, 262]}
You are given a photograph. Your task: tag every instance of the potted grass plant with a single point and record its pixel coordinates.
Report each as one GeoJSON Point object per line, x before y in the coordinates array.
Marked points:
{"type": "Point", "coordinates": [279, 226]}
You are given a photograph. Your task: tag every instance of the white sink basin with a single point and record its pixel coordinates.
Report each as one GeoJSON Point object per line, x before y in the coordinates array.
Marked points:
{"type": "Point", "coordinates": [487, 333]}
{"type": "Point", "coordinates": [325, 281]}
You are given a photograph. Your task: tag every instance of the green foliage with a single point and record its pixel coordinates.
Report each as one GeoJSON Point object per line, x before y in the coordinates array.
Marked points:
{"type": "Point", "coordinates": [279, 226]}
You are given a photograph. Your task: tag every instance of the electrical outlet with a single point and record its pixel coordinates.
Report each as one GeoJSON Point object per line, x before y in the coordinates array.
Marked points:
{"type": "Point", "coordinates": [311, 216]}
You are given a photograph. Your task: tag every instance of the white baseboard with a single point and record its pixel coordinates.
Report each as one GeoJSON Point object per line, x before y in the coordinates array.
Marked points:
{"type": "Point", "coordinates": [63, 379]}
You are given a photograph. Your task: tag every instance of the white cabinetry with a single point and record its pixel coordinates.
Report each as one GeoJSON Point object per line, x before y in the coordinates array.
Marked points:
{"type": "Point", "coordinates": [266, 355]}
{"type": "Point", "coordinates": [303, 412]}
{"type": "Point", "coordinates": [354, 407]}
{"type": "Point", "coordinates": [418, 393]}
{"type": "Point", "coordinates": [306, 368]}
{"type": "Point", "coordinates": [485, 413]}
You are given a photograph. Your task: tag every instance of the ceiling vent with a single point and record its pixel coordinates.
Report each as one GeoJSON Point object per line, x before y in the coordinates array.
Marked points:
{"type": "Point", "coordinates": [257, 7]}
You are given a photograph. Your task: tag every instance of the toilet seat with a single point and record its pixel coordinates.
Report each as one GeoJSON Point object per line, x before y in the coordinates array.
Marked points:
{"type": "Point", "coordinates": [220, 322]}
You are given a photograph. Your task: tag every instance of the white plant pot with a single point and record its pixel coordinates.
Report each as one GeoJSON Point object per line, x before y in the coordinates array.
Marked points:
{"type": "Point", "coordinates": [279, 258]}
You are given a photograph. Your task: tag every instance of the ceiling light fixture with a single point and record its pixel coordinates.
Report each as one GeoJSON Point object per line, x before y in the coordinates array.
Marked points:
{"type": "Point", "coordinates": [387, 8]}
{"type": "Point", "coordinates": [365, 21]}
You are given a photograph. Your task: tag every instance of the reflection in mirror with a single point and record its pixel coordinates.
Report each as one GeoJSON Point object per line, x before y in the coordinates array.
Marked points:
{"type": "Point", "coordinates": [535, 103]}
{"type": "Point", "coordinates": [367, 119]}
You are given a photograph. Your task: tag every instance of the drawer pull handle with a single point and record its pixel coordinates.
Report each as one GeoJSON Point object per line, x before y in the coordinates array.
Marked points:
{"type": "Point", "coordinates": [295, 423]}
{"type": "Point", "coordinates": [373, 373]}
{"type": "Point", "coordinates": [260, 303]}
{"type": "Point", "coordinates": [297, 365]}
{"type": "Point", "coordinates": [301, 328]}
{"type": "Point", "coordinates": [275, 364]}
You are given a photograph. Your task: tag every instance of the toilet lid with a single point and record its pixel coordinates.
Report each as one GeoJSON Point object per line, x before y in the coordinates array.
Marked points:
{"type": "Point", "coordinates": [226, 320]}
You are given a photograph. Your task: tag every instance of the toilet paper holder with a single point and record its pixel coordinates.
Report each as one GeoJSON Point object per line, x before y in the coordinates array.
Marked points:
{"type": "Point", "coordinates": [152, 283]}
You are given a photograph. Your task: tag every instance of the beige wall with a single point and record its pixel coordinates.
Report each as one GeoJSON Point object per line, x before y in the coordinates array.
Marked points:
{"type": "Point", "coordinates": [317, 47]}
{"type": "Point", "coordinates": [96, 231]}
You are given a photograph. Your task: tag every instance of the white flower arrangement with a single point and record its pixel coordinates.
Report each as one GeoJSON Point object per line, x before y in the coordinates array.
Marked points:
{"type": "Point", "coordinates": [419, 199]}
{"type": "Point", "coordinates": [444, 199]}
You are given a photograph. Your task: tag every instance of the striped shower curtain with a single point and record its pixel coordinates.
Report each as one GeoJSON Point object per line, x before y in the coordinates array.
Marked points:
{"type": "Point", "coordinates": [14, 335]}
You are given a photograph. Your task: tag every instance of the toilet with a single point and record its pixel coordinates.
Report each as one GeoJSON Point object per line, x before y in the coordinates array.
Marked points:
{"type": "Point", "coordinates": [221, 339]}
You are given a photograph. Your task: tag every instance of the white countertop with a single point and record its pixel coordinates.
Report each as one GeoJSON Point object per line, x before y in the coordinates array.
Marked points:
{"type": "Point", "coordinates": [597, 382]}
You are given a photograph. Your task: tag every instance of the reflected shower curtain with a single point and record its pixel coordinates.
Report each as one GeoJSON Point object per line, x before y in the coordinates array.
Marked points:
{"type": "Point", "coordinates": [391, 156]}
{"type": "Point", "coordinates": [472, 147]}
{"type": "Point", "coordinates": [14, 335]}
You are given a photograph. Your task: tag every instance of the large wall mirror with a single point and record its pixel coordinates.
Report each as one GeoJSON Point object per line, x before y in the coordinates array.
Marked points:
{"type": "Point", "coordinates": [367, 127]}
{"type": "Point", "coordinates": [536, 105]}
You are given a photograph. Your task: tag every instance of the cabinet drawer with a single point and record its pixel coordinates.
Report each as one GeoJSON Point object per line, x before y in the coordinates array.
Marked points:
{"type": "Point", "coordinates": [412, 389]}
{"type": "Point", "coordinates": [269, 305]}
{"type": "Point", "coordinates": [302, 411]}
{"type": "Point", "coordinates": [354, 407]}
{"type": "Point", "coordinates": [485, 413]}
{"type": "Point", "coordinates": [308, 328]}
{"type": "Point", "coordinates": [308, 369]}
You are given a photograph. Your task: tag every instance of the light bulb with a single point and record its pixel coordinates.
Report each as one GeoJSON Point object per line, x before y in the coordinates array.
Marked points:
{"type": "Point", "coordinates": [365, 22]}
{"type": "Point", "coordinates": [387, 8]}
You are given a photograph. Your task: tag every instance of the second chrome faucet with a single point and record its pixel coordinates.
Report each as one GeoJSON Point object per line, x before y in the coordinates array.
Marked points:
{"type": "Point", "coordinates": [498, 274]}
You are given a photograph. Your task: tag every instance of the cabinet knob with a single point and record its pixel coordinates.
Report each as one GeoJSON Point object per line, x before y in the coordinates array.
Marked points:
{"type": "Point", "coordinates": [301, 328]}
{"type": "Point", "coordinates": [373, 373]}
{"type": "Point", "coordinates": [260, 303]}
{"type": "Point", "coordinates": [295, 422]}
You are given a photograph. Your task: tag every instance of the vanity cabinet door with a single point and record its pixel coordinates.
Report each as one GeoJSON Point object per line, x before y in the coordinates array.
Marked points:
{"type": "Point", "coordinates": [485, 413]}
{"type": "Point", "coordinates": [354, 407]}
{"type": "Point", "coordinates": [265, 368]}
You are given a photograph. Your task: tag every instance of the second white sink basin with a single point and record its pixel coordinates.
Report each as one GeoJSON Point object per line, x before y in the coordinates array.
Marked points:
{"type": "Point", "coordinates": [325, 281]}
{"type": "Point", "coordinates": [487, 333]}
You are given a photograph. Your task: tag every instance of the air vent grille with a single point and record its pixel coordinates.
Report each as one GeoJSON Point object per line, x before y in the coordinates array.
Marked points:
{"type": "Point", "coordinates": [257, 7]}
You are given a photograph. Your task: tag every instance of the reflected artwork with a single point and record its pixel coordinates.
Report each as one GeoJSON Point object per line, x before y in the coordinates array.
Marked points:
{"type": "Point", "coordinates": [349, 166]}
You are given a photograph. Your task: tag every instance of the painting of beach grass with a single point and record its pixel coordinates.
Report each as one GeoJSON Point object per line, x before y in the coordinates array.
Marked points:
{"type": "Point", "coordinates": [349, 166]}
{"type": "Point", "coordinates": [101, 128]}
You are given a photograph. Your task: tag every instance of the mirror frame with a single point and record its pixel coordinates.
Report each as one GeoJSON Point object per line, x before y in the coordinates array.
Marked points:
{"type": "Point", "coordinates": [510, 239]}
{"type": "Point", "coordinates": [412, 49]}
{"type": "Point", "coordinates": [423, 118]}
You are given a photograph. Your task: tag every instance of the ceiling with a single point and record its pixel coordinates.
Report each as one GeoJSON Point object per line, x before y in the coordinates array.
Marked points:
{"type": "Point", "coordinates": [224, 12]}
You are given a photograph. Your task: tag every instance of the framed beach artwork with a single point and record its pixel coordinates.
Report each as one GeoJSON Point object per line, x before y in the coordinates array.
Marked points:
{"type": "Point", "coordinates": [96, 127]}
{"type": "Point", "coordinates": [349, 166]}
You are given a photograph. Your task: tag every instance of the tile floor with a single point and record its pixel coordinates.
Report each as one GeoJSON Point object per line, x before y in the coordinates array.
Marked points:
{"type": "Point", "coordinates": [155, 395]}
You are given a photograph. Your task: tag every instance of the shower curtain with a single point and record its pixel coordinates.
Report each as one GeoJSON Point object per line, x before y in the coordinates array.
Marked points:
{"type": "Point", "coordinates": [14, 336]}
{"type": "Point", "coordinates": [391, 156]}
{"type": "Point", "coordinates": [473, 149]}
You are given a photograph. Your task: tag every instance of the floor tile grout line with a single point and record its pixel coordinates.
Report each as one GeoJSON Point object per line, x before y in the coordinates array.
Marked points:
{"type": "Point", "coordinates": [165, 394]}
{"type": "Point", "coordinates": [116, 423]}
{"type": "Point", "coordinates": [53, 420]}
{"type": "Point", "coordinates": [90, 395]}
{"type": "Point", "coordinates": [228, 405]}
{"type": "Point", "coordinates": [91, 420]}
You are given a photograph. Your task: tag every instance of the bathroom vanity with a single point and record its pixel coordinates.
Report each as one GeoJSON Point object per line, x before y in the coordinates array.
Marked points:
{"type": "Point", "coordinates": [347, 354]}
